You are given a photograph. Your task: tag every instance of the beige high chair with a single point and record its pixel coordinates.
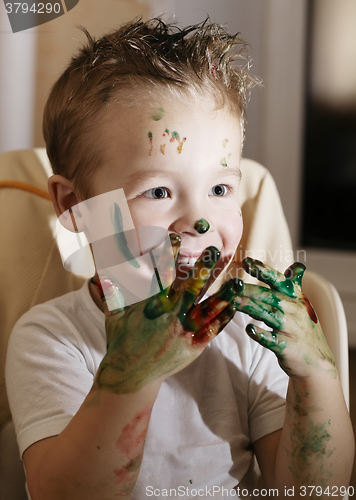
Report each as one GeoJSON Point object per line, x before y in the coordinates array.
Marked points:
{"type": "Point", "coordinates": [32, 271]}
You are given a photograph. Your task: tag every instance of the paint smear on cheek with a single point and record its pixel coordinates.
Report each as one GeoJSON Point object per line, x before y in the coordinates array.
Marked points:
{"type": "Point", "coordinates": [120, 237]}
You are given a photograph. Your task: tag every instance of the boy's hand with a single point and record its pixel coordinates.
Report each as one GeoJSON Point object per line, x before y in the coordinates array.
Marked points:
{"type": "Point", "coordinates": [159, 336]}
{"type": "Point", "coordinates": [297, 338]}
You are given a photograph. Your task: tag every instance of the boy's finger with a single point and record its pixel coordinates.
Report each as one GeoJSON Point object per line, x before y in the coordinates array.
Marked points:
{"type": "Point", "coordinates": [175, 242]}
{"type": "Point", "coordinates": [204, 312]}
{"type": "Point", "coordinates": [270, 315]}
{"type": "Point", "coordinates": [295, 272]}
{"type": "Point", "coordinates": [190, 289]}
{"type": "Point", "coordinates": [165, 264]}
{"type": "Point", "coordinates": [266, 274]}
{"type": "Point", "coordinates": [203, 336]}
{"type": "Point", "coordinates": [262, 294]}
{"type": "Point", "coordinates": [271, 340]}
{"type": "Point", "coordinates": [111, 296]}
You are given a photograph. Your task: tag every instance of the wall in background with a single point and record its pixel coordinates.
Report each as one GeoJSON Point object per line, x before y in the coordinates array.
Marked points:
{"type": "Point", "coordinates": [17, 85]}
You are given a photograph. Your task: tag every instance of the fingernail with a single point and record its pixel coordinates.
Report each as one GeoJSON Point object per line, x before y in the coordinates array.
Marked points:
{"type": "Point", "coordinates": [238, 285]}
{"type": "Point", "coordinates": [175, 238]}
{"type": "Point", "coordinates": [109, 289]}
{"type": "Point", "coordinates": [250, 329]}
{"type": "Point", "coordinates": [211, 254]}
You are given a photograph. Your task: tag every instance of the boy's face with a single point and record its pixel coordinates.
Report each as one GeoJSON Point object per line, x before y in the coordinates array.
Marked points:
{"type": "Point", "coordinates": [178, 163]}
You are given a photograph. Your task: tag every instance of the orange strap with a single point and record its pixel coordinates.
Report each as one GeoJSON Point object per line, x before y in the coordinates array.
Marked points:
{"type": "Point", "coordinates": [25, 187]}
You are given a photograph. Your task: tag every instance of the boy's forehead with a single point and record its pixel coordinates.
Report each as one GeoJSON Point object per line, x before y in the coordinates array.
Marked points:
{"type": "Point", "coordinates": [163, 131]}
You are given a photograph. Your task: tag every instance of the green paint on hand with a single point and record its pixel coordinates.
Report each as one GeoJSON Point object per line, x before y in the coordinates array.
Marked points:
{"type": "Point", "coordinates": [201, 226]}
{"type": "Point", "coordinates": [120, 237]}
{"type": "Point", "coordinates": [158, 114]}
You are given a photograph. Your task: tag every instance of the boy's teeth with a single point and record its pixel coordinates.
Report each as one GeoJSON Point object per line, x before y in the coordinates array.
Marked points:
{"type": "Point", "coordinates": [188, 260]}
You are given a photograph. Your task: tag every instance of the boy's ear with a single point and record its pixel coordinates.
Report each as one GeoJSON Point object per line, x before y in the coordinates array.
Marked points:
{"type": "Point", "coordinates": [64, 199]}
{"type": "Point", "coordinates": [61, 193]}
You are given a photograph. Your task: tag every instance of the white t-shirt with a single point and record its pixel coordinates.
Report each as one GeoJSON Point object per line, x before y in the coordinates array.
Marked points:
{"type": "Point", "coordinates": [203, 421]}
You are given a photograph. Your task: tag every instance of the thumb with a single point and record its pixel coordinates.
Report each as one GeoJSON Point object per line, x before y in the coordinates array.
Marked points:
{"type": "Point", "coordinates": [111, 296]}
{"type": "Point", "coordinates": [295, 273]}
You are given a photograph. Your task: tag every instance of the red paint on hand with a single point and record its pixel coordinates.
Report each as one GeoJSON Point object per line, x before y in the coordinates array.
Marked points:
{"type": "Point", "coordinates": [310, 309]}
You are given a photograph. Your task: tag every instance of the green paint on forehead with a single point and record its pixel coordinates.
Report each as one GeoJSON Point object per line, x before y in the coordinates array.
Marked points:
{"type": "Point", "coordinates": [158, 114]}
{"type": "Point", "coordinates": [225, 141]}
{"type": "Point", "coordinates": [223, 162]}
{"type": "Point", "coordinates": [150, 136]}
{"type": "Point", "coordinates": [176, 137]}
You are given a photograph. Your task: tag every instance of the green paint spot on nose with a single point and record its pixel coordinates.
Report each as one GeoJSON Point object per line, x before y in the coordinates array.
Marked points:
{"type": "Point", "coordinates": [201, 226]}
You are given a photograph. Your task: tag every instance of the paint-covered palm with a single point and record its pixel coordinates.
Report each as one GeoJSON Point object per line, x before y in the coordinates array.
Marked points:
{"type": "Point", "coordinates": [296, 337]}
{"type": "Point", "coordinates": [159, 336]}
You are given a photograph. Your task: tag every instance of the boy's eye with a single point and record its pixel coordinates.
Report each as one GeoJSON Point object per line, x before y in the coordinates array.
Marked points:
{"type": "Point", "coordinates": [157, 193]}
{"type": "Point", "coordinates": [218, 190]}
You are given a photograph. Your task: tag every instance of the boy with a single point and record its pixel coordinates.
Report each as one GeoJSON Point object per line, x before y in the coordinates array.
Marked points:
{"type": "Point", "coordinates": [159, 112]}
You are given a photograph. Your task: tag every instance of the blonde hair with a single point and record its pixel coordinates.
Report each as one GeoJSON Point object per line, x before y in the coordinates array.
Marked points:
{"type": "Point", "coordinates": [132, 62]}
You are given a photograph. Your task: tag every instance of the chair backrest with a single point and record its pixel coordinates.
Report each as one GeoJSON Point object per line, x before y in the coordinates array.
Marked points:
{"type": "Point", "coordinates": [328, 306]}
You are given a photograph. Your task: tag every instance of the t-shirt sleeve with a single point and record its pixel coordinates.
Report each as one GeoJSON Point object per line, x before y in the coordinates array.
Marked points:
{"type": "Point", "coordinates": [47, 375]}
{"type": "Point", "coordinates": [267, 393]}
